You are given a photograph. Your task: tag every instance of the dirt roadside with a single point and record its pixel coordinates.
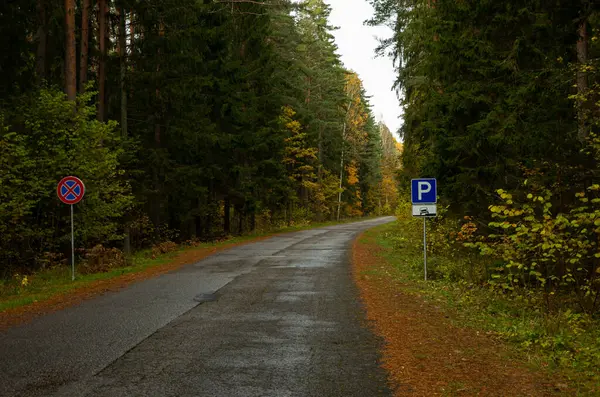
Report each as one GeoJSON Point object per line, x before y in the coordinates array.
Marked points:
{"type": "Point", "coordinates": [424, 354]}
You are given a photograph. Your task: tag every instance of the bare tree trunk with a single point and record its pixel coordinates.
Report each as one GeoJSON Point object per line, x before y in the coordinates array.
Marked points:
{"type": "Point", "coordinates": [127, 242]}
{"type": "Point", "coordinates": [341, 179]}
{"type": "Point", "coordinates": [102, 63]}
{"type": "Point", "coordinates": [131, 37]}
{"type": "Point", "coordinates": [158, 186]}
{"type": "Point", "coordinates": [320, 152]}
{"type": "Point", "coordinates": [85, 44]}
{"type": "Point", "coordinates": [123, 61]}
{"type": "Point", "coordinates": [227, 215]}
{"type": "Point", "coordinates": [239, 213]}
{"type": "Point", "coordinates": [582, 77]}
{"type": "Point", "coordinates": [159, 112]}
{"type": "Point", "coordinates": [70, 61]}
{"type": "Point", "coordinates": [342, 162]}
{"type": "Point", "coordinates": [42, 39]}
{"type": "Point", "coordinates": [384, 137]}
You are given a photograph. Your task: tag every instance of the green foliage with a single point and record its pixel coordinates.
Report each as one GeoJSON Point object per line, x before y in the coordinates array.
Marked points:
{"type": "Point", "coordinates": [44, 139]}
{"type": "Point", "coordinates": [546, 251]}
{"type": "Point", "coordinates": [499, 98]}
{"type": "Point", "coordinates": [486, 88]}
{"type": "Point", "coordinates": [203, 149]}
{"type": "Point", "coordinates": [447, 258]}
{"type": "Point", "coordinates": [564, 341]}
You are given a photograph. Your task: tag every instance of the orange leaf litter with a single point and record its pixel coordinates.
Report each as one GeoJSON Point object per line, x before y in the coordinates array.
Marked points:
{"type": "Point", "coordinates": [423, 353]}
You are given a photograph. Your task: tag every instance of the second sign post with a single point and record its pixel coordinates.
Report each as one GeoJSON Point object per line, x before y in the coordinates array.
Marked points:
{"type": "Point", "coordinates": [424, 199]}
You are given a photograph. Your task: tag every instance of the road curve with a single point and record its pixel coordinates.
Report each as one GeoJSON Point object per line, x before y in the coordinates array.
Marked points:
{"type": "Point", "coordinates": [280, 317]}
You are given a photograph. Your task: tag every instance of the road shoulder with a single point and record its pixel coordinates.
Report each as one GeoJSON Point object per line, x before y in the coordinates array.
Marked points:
{"type": "Point", "coordinates": [425, 354]}
{"type": "Point", "coordinates": [24, 314]}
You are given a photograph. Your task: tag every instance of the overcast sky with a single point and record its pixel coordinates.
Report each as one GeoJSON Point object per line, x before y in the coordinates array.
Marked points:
{"type": "Point", "coordinates": [357, 44]}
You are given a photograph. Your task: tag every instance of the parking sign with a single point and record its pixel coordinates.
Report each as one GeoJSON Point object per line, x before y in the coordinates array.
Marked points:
{"type": "Point", "coordinates": [424, 198]}
{"type": "Point", "coordinates": [424, 191]}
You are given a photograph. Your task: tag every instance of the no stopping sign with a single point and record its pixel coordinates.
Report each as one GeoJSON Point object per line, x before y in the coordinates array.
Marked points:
{"type": "Point", "coordinates": [70, 190]}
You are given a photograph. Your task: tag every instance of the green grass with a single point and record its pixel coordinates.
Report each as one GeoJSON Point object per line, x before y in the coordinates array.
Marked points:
{"type": "Point", "coordinates": [47, 283]}
{"type": "Point", "coordinates": [564, 342]}
{"type": "Point", "coordinates": [50, 282]}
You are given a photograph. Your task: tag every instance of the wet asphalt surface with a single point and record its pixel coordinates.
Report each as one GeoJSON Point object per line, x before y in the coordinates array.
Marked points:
{"type": "Point", "coordinates": [280, 317]}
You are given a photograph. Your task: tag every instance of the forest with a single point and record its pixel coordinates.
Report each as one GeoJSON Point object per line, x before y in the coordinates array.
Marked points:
{"type": "Point", "coordinates": [186, 120]}
{"type": "Point", "coordinates": [501, 103]}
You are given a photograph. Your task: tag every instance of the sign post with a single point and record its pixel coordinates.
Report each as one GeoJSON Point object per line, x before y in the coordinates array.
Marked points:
{"type": "Point", "coordinates": [424, 245]}
{"type": "Point", "coordinates": [424, 199]}
{"type": "Point", "coordinates": [70, 190]}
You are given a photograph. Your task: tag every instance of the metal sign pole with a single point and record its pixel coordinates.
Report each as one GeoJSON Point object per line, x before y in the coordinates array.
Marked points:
{"type": "Point", "coordinates": [423, 192]}
{"type": "Point", "coordinates": [70, 190]}
{"type": "Point", "coordinates": [425, 245]}
{"type": "Point", "coordinates": [72, 247]}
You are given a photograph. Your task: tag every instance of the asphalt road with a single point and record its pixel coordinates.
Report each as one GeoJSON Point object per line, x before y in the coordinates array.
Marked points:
{"type": "Point", "coordinates": [280, 317]}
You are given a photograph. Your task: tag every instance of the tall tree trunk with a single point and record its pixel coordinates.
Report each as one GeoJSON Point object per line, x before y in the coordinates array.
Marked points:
{"type": "Point", "coordinates": [341, 179]}
{"type": "Point", "coordinates": [127, 241]}
{"type": "Point", "coordinates": [198, 226]}
{"type": "Point", "coordinates": [158, 104]}
{"type": "Point", "coordinates": [42, 41]}
{"type": "Point", "coordinates": [102, 62]}
{"type": "Point", "coordinates": [157, 169]}
{"type": "Point", "coordinates": [85, 44]}
{"type": "Point", "coordinates": [582, 77]}
{"type": "Point", "coordinates": [227, 215]}
{"type": "Point", "coordinates": [195, 222]}
{"type": "Point", "coordinates": [131, 37]}
{"type": "Point", "coordinates": [70, 61]}
{"type": "Point", "coordinates": [123, 62]}
{"type": "Point", "coordinates": [342, 161]}
{"type": "Point", "coordinates": [320, 151]}
{"type": "Point", "coordinates": [289, 211]}
{"type": "Point", "coordinates": [239, 213]}
{"type": "Point", "coordinates": [319, 157]}
{"type": "Point", "coordinates": [320, 138]}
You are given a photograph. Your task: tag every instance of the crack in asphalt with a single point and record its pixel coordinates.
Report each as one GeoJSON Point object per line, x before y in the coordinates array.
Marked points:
{"type": "Point", "coordinates": [279, 317]}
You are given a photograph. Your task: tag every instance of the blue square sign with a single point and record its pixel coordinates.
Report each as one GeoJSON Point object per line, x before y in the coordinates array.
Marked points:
{"type": "Point", "coordinates": [424, 191]}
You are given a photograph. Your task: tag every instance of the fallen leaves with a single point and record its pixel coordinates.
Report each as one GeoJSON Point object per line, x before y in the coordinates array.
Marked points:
{"type": "Point", "coordinates": [424, 354]}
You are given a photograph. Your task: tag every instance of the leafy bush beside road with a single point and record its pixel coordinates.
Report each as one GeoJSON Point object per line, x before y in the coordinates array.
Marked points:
{"type": "Point", "coordinates": [548, 323]}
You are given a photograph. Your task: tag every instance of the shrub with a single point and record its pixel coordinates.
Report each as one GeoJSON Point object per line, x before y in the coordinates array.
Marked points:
{"type": "Point", "coordinates": [42, 139]}
{"type": "Point", "coordinates": [101, 260]}
{"type": "Point", "coordinates": [163, 248]}
{"type": "Point", "coordinates": [546, 251]}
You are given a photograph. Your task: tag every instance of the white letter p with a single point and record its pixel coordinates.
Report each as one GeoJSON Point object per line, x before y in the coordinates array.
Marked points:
{"type": "Point", "coordinates": [423, 187]}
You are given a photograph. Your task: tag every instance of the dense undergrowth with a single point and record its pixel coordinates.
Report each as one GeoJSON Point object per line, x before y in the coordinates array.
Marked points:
{"type": "Point", "coordinates": [549, 329]}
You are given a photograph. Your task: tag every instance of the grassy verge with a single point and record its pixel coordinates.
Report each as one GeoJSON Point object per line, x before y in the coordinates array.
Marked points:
{"type": "Point", "coordinates": [563, 342]}
{"type": "Point", "coordinates": [45, 284]}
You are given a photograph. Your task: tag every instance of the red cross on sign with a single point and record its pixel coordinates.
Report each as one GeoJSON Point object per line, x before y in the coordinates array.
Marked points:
{"type": "Point", "coordinates": [70, 190]}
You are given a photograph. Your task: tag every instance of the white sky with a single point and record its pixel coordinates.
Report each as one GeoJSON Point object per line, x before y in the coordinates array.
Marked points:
{"type": "Point", "coordinates": [357, 44]}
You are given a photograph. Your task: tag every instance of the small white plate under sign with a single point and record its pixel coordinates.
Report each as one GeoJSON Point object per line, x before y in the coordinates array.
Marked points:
{"type": "Point", "coordinates": [424, 210]}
